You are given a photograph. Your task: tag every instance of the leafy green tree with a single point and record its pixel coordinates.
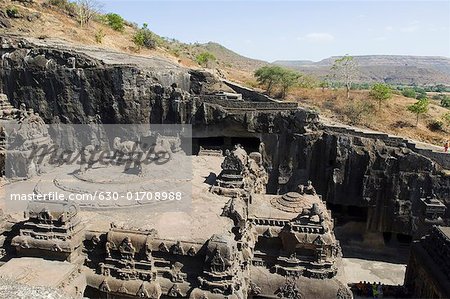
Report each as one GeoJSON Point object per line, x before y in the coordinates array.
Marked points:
{"type": "Point", "coordinates": [418, 108]}
{"type": "Point", "coordinates": [306, 81]}
{"type": "Point", "coordinates": [345, 69]}
{"type": "Point", "coordinates": [380, 92]}
{"type": "Point", "coordinates": [205, 58]}
{"type": "Point", "coordinates": [287, 80]}
{"type": "Point", "coordinates": [277, 77]}
{"type": "Point", "coordinates": [115, 21]}
{"type": "Point", "coordinates": [268, 76]}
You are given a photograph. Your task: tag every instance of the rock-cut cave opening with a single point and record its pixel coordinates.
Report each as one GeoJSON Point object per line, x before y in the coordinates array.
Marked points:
{"type": "Point", "coordinates": [251, 144]}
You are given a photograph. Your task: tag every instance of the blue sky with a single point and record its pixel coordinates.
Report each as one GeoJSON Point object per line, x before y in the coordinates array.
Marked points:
{"type": "Point", "coordinates": [299, 30]}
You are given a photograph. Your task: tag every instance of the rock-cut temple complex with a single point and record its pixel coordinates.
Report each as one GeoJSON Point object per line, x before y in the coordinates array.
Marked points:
{"type": "Point", "coordinates": [276, 194]}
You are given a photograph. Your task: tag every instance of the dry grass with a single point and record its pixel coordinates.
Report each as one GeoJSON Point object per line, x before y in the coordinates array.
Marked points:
{"type": "Point", "coordinates": [393, 118]}
{"type": "Point", "coordinates": [56, 24]}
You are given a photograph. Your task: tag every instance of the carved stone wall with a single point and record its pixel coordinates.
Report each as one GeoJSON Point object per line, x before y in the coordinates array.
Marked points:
{"type": "Point", "coordinates": [428, 270]}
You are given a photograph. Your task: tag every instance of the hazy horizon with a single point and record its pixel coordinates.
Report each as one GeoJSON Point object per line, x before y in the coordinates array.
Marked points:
{"type": "Point", "coordinates": [299, 30]}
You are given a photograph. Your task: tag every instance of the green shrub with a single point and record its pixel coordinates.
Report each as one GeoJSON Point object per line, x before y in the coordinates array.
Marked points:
{"type": "Point", "coordinates": [144, 38]}
{"type": "Point", "coordinates": [436, 125]}
{"type": "Point", "coordinates": [13, 12]}
{"type": "Point", "coordinates": [409, 93]}
{"type": "Point", "coordinates": [204, 58]}
{"type": "Point", "coordinates": [357, 111]}
{"type": "Point", "coordinates": [445, 101]}
{"type": "Point", "coordinates": [446, 118]}
{"type": "Point", "coordinates": [175, 52]}
{"type": "Point", "coordinates": [421, 95]}
{"type": "Point", "coordinates": [58, 3]}
{"type": "Point", "coordinates": [99, 35]}
{"type": "Point", "coordinates": [115, 21]}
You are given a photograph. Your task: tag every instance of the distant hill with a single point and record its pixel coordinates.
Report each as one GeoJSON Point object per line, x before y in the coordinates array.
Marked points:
{"type": "Point", "coordinates": [229, 58]}
{"type": "Point", "coordinates": [392, 69]}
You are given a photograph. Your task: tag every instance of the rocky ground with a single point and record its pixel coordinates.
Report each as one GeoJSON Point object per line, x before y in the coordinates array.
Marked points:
{"type": "Point", "coordinates": [373, 271]}
{"type": "Point", "coordinates": [12, 289]}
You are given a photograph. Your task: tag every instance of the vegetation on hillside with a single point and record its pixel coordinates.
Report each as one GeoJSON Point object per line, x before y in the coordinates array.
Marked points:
{"type": "Point", "coordinates": [143, 37]}
{"type": "Point", "coordinates": [419, 107]}
{"type": "Point", "coordinates": [355, 104]}
{"type": "Point", "coordinates": [380, 92]}
{"type": "Point", "coordinates": [281, 79]}
{"type": "Point", "coordinates": [344, 70]}
{"type": "Point", "coordinates": [336, 95]}
{"type": "Point", "coordinates": [205, 59]}
{"type": "Point", "coordinates": [115, 21]}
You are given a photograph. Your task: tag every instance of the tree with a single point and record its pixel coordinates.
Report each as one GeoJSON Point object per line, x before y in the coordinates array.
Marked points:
{"type": "Point", "coordinates": [306, 81]}
{"type": "Point", "coordinates": [420, 107]}
{"type": "Point", "coordinates": [284, 79]}
{"type": "Point", "coordinates": [344, 69]}
{"type": "Point", "coordinates": [380, 92]}
{"type": "Point", "coordinates": [269, 76]}
{"type": "Point", "coordinates": [86, 10]}
{"type": "Point", "coordinates": [288, 79]}
{"type": "Point", "coordinates": [205, 58]}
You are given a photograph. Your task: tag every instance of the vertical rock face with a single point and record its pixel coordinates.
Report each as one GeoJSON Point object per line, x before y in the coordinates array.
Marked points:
{"type": "Point", "coordinates": [75, 86]}
{"type": "Point", "coordinates": [362, 172]}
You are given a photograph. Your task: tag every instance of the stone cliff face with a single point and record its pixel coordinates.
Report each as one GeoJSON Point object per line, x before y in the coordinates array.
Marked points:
{"type": "Point", "coordinates": [347, 170]}
{"type": "Point", "coordinates": [361, 172]}
{"type": "Point", "coordinates": [75, 86]}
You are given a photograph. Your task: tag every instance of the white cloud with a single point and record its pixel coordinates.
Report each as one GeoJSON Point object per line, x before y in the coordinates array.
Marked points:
{"type": "Point", "coordinates": [434, 28]}
{"type": "Point", "coordinates": [380, 38]}
{"type": "Point", "coordinates": [318, 37]}
{"type": "Point", "coordinates": [362, 16]}
{"type": "Point", "coordinates": [411, 28]}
